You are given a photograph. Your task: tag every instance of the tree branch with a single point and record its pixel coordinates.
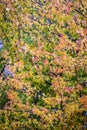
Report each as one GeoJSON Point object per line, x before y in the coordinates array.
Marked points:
{"type": "Point", "coordinates": [78, 11]}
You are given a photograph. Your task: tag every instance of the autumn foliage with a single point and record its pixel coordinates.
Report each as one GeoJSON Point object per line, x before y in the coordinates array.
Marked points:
{"type": "Point", "coordinates": [43, 65]}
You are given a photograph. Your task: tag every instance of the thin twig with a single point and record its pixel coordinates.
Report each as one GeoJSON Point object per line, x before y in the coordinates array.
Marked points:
{"type": "Point", "coordinates": [4, 109]}
{"type": "Point", "coordinates": [78, 11]}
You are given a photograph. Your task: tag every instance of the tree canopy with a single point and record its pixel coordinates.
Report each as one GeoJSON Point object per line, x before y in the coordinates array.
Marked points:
{"type": "Point", "coordinates": [43, 64]}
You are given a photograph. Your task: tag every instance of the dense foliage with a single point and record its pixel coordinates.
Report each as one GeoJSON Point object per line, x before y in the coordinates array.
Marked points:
{"type": "Point", "coordinates": [43, 64]}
